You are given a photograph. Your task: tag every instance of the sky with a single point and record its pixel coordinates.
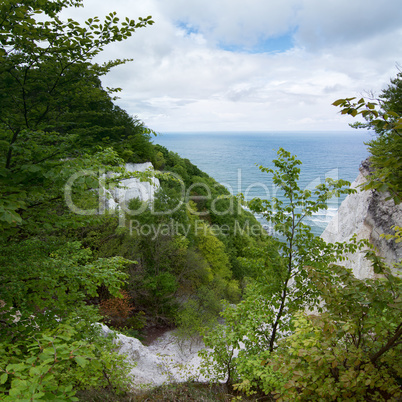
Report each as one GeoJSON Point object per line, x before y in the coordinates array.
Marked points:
{"type": "Point", "coordinates": [251, 65]}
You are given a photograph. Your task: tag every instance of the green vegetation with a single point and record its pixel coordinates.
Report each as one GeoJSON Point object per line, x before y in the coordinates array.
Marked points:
{"type": "Point", "coordinates": [173, 392]}
{"type": "Point", "coordinates": [350, 347]}
{"type": "Point", "coordinates": [384, 117]}
{"type": "Point", "coordinates": [61, 272]}
{"type": "Point", "coordinates": [351, 351]}
{"type": "Point", "coordinates": [272, 342]}
{"type": "Point", "coordinates": [192, 254]}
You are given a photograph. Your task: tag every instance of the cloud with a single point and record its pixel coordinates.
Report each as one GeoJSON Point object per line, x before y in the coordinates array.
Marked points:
{"type": "Point", "coordinates": [235, 22]}
{"type": "Point", "coordinates": [344, 22]}
{"type": "Point", "coordinates": [255, 65]}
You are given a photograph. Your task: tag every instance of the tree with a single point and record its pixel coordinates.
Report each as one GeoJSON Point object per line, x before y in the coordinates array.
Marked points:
{"type": "Point", "coordinates": [307, 329]}
{"type": "Point", "coordinates": [300, 247]}
{"type": "Point", "coordinates": [385, 118]}
{"type": "Point", "coordinates": [48, 281]}
{"type": "Point", "coordinates": [281, 284]}
{"type": "Point", "coordinates": [48, 78]}
{"type": "Point", "coordinates": [44, 64]}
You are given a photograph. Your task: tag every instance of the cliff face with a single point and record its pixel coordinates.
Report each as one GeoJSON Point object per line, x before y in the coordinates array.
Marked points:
{"type": "Point", "coordinates": [369, 215]}
{"type": "Point", "coordinates": [132, 188]}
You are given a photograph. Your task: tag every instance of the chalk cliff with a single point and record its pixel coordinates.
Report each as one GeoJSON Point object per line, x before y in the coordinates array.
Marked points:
{"type": "Point", "coordinates": [367, 214]}
{"type": "Point", "coordinates": [166, 360]}
{"type": "Point", "coordinates": [132, 188]}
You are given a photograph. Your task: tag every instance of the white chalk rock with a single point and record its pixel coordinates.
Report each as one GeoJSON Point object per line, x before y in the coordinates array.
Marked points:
{"type": "Point", "coordinates": [368, 215]}
{"type": "Point", "coordinates": [166, 360]}
{"type": "Point", "coordinates": [118, 198]}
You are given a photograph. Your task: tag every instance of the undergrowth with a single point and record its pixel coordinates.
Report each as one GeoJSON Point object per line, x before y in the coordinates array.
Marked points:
{"type": "Point", "coordinates": [174, 392]}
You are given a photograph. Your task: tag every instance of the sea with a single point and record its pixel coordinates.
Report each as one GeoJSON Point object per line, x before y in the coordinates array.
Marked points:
{"type": "Point", "coordinates": [232, 159]}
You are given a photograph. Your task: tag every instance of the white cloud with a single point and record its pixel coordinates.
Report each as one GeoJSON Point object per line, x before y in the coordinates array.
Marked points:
{"type": "Point", "coordinates": [183, 79]}
{"type": "Point", "coordinates": [344, 22]}
{"type": "Point", "coordinates": [234, 21]}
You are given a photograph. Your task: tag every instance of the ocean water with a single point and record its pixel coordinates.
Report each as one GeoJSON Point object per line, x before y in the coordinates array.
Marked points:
{"type": "Point", "coordinates": [232, 159]}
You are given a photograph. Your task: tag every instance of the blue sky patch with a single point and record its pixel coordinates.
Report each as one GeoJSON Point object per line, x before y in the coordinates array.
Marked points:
{"type": "Point", "coordinates": [276, 44]}
{"type": "Point", "coordinates": [189, 29]}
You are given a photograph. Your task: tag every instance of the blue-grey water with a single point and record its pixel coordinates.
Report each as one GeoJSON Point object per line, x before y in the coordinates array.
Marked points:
{"type": "Point", "coordinates": [232, 159]}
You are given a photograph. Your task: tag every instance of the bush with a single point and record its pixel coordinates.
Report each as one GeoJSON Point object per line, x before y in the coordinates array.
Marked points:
{"type": "Point", "coordinates": [352, 351]}
{"type": "Point", "coordinates": [117, 310]}
{"type": "Point", "coordinates": [54, 364]}
{"type": "Point", "coordinates": [320, 365]}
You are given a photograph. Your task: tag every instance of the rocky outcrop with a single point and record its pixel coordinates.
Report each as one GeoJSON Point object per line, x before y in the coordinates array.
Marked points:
{"type": "Point", "coordinates": [119, 197]}
{"type": "Point", "coordinates": [368, 215]}
{"type": "Point", "coordinates": [166, 360]}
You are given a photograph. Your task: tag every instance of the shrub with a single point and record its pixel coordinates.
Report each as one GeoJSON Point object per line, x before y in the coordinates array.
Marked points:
{"type": "Point", "coordinates": [352, 351]}
{"type": "Point", "coordinates": [117, 310]}
{"type": "Point", "coordinates": [54, 364]}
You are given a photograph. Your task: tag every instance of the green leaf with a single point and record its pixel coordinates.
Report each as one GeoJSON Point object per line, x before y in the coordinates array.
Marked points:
{"type": "Point", "coordinates": [3, 378]}
{"type": "Point", "coordinates": [82, 361]}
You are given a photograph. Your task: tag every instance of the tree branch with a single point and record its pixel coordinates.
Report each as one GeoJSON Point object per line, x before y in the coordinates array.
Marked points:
{"type": "Point", "coordinates": [392, 342]}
